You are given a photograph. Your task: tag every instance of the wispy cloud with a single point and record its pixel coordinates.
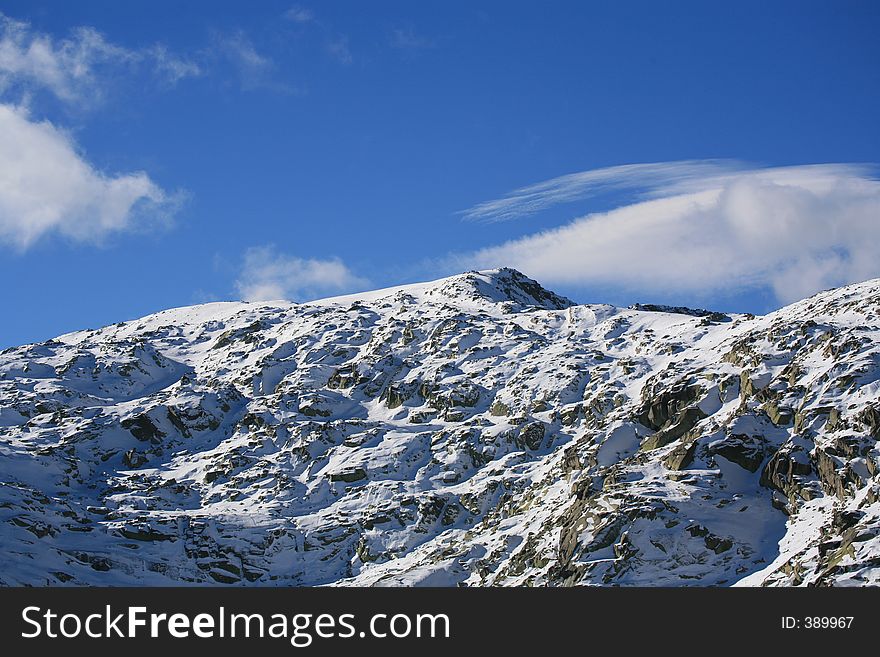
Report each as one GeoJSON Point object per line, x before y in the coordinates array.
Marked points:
{"type": "Point", "coordinates": [795, 230]}
{"type": "Point", "coordinates": [268, 275]}
{"type": "Point", "coordinates": [254, 69]}
{"type": "Point", "coordinates": [299, 14]}
{"type": "Point", "coordinates": [171, 68]}
{"type": "Point", "coordinates": [651, 178]}
{"type": "Point", "coordinates": [336, 44]}
{"type": "Point", "coordinates": [73, 68]}
{"type": "Point", "coordinates": [46, 187]}
{"type": "Point", "coordinates": [406, 38]}
{"type": "Point", "coordinates": [339, 50]}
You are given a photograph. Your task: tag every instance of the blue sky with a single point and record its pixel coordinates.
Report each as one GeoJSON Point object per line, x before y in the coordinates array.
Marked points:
{"type": "Point", "coordinates": [158, 154]}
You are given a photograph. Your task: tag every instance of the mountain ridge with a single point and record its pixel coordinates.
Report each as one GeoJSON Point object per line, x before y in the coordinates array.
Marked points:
{"type": "Point", "coordinates": [477, 430]}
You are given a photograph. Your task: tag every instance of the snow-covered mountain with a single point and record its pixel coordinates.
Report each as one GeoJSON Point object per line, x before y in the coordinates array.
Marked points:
{"type": "Point", "coordinates": [477, 430]}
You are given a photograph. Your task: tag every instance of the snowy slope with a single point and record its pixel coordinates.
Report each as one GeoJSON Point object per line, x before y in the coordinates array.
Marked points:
{"type": "Point", "coordinates": [477, 430]}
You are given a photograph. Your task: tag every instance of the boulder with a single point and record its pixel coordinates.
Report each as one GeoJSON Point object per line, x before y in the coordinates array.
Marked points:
{"type": "Point", "coordinates": [779, 415]}
{"type": "Point", "coordinates": [680, 457]}
{"type": "Point", "coordinates": [143, 428]}
{"type": "Point", "coordinates": [687, 420]}
{"type": "Point", "coordinates": [748, 452]}
{"type": "Point", "coordinates": [134, 459]}
{"type": "Point", "coordinates": [532, 434]}
{"type": "Point", "coordinates": [870, 417]}
{"type": "Point", "coordinates": [499, 408]}
{"type": "Point", "coordinates": [349, 475]}
{"type": "Point", "coordinates": [663, 409]}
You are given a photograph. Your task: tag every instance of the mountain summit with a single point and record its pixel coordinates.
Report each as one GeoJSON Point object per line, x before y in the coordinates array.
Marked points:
{"type": "Point", "coordinates": [503, 285]}
{"type": "Point", "coordinates": [477, 430]}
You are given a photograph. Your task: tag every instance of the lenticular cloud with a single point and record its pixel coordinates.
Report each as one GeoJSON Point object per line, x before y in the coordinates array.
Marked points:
{"type": "Point", "coordinates": [795, 230]}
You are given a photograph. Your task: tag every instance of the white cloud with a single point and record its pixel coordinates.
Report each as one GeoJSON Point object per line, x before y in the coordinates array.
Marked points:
{"type": "Point", "coordinates": [66, 68]}
{"type": "Point", "coordinates": [242, 52]}
{"type": "Point", "coordinates": [171, 68]}
{"type": "Point", "coordinates": [46, 187]}
{"type": "Point", "coordinates": [649, 178]}
{"type": "Point", "coordinates": [72, 68]}
{"type": "Point", "coordinates": [795, 230]}
{"type": "Point", "coordinates": [299, 14]}
{"type": "Point", "coordinates": [255, 70]}
{"type": "Point", "coordinates": [268, 275]}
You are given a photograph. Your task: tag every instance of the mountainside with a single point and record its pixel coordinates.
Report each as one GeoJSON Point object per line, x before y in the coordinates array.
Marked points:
{"type": "Point", "coordinates": [478, 430]}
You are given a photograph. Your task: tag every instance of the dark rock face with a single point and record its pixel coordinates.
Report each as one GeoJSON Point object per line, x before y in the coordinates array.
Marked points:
{"type": "Point", "coordinates": [532, 435]}
{"type": "Point", "coordinates": [670, 413]}
{"type": "Point", "coordinates": [134, 459]}
{"type": "Point", "coordinates": [747, 452]}
{"type": "Point", "coordinates": [680, 457]}
{"type": "Point", "coordinates": [835, 474]}
{"type": "Point", "coordinates": [778, 415]}
{"type": "Point", "coordinates": [786, 471]}
{"type": "Point", "coordinates": [663, 408]}
{"type": "Point", "coordinates": [711, 315]}
{"type": "Point", "coordinates": [684, 421]}
{"type": "Point", "coordinates": [143, 428]}
{"type": "Point", "coordinates": [715, 543]}
{"type": "Point", "coordinates": [349, 475]}
{"type": "Point", "coordinates": [871, 417]}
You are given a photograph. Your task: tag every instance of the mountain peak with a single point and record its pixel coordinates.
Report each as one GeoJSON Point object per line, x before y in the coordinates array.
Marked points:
{"type": "Point", "coordinates": [504, 285]}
